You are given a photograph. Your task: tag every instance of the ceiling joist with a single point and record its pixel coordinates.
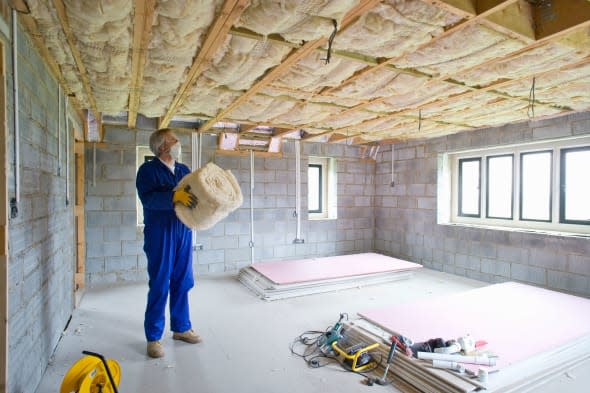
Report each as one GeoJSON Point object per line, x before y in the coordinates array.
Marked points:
{"type": "Point", "coordinates": [293, 58]}
{"type": "Point", "coordinates": [231, 11]}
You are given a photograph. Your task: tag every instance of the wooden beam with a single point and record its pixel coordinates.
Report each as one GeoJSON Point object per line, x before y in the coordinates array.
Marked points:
{"type": "Point", "coordinates": [230, 13]}
{"type": "Point", "coordinates": [244, 153]}
{"type": "Point", "coordinates": [142, 27]}
{"type": "Point", "coordinates": [293, 58]}
{"type": "Point", "coordinates": [4, 256]}
{"type": "Point", "coordinates": [282, 131]}
{"type": "Point", "coordinates": [516, 21]}
{"type": "Point", "coordinates": [560, 15]}
{"type": "Point", "coordinates": [65, 25]}
{"type": "Point", "coordinates": [464, 8]}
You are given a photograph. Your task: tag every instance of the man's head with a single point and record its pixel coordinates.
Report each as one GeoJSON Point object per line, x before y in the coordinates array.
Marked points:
{"type": "Point", "coordinates": [160, 143]}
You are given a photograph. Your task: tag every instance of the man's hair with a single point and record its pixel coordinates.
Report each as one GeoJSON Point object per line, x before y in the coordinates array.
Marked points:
{"type": "Point", "coordinates": [157, 140]}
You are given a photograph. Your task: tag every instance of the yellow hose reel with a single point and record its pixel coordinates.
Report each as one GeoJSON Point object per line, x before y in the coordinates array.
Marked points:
{"type": "Point", "coordinates": [92, 374]}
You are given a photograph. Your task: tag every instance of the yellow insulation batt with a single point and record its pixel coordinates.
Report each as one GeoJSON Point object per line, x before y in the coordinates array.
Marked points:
{"type": "Point", "coordinates": [218, 194]}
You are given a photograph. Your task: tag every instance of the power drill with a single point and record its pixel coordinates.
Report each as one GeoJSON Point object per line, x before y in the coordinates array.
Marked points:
{"type": "Point", "coordinates": [332, 335]}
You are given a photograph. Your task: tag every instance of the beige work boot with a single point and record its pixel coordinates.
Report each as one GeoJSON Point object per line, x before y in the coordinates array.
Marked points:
{"type": "Point", "coordinates": [154, 349]}
{"type": "Point", "coordinates": [188, 337]}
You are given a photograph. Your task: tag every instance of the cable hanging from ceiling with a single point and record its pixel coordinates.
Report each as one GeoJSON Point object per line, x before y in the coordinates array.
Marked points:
{"type": "Point", "coordinates": [331, 41]}
{"type": "Point", "coordinates": [531, 106]}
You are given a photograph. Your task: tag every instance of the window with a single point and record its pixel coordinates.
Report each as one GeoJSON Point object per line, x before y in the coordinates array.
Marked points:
{"type": "Point", "coordinates": [499, 187]}
{"type": "Point", "coordinates": [574, 185]}
{"type": "Point", "coordinates": [321, 188]}
{"type": "Point", "coordinates": [315, 188]}
{"type": "Point", "coordinates": [517, 186]}
{"type": "Point", "coordinates": [469, 187]}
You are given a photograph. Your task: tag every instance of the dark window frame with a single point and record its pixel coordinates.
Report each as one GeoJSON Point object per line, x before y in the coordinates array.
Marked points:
{"type": "Point", "coordinates": [520, 176]}
{"type": "Point", "coordinates": [460, 189]}
{"type": "Point", "coordinates": [562, 186]}
{"type": "Point", "coordinates": [320, 188]}
{"type": "Point", "coordinates": [488, 158]}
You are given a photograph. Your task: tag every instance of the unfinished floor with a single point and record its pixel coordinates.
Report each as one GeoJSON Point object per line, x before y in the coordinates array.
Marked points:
{"type": "Point", "coordinates": [246, 340]}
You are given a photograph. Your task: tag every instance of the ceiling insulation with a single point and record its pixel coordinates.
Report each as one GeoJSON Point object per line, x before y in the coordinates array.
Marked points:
{"type": "Point", "coordinates": [391, 69]}
{"type": "Point", "coordinates": [395, 27]}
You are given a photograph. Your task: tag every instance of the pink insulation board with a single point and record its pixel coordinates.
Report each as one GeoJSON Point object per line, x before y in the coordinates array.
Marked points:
{"type": "Point", "coordinates": [305, 270]}
{"type": "Point", "coordinates": [517, 320]}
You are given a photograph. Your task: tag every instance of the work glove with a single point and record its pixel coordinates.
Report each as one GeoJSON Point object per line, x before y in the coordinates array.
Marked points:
{"type": "Point", "coordinates": [185, 197]}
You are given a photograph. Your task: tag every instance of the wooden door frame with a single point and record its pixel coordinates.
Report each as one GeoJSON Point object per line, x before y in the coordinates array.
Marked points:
{"type": "Point", "coordinates": [3, 228]}
{"type": "Point", "coordinates": [79, 218]}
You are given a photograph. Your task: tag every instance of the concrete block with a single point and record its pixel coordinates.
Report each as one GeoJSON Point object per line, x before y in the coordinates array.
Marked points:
{"type": "Point", "coordinates": [569, 282]}
{"type": "Point", "coordinates": [237, 254]}
{"type": "Point", "coordinates": [119, 136]}
{"type": "Point", "coordinates": [581, 127]}
{"type": "Point", "coordinates": [547, 259]}
{"type": "Point", "coordinates": [94, 265]}
{"type": "Point", "coordinates": [104, 188]}
{"type": "Point", "coordinates": [512, 254]}
{"type": "Point", "coordinates": [118, 172]}
{"type": "Point", "coordinates": [427, 203]}
{"type": "Point", "coordinates": [552, 131]}
{"type": "Point", "coordinates": [106, 249]}
{"type": "Point", "coordinates": [578, 264]}
{"type": "Point", "coordinates": [120, 203]}
{"type": "Point", "coordinates": [118, 233]}
{"type": "Point", "coordinates": [101, 219]}
{"type": "Point", "coordinates": [535, 275]}
{"type": "Point", "coordinates": [132, 247]}
{"type": "Point", "coordinates": [494, 267]}
{"type": "Point", "coordinates": [117, 264]}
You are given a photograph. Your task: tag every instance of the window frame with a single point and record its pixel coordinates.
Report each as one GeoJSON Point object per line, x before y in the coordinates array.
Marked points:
{"type": "Point", "coordinates": [460, 189]}
{"type": "Point", "coordinates": [562, 186]}
{"type": "Point", "coordinates": [487, 189]}
{"type": "Point", "coordinates": [448, 188]}
{"type": "Point", "coordinates": [320, 209]}
{"type": "Point", "coordinates": [520, 201]}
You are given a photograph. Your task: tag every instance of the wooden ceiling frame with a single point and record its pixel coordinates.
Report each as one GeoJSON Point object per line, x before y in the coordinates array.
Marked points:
{"type": "Point", "coordinates": [229, 14]}
{"type": "Point", "coordinates": [292, 58]}
{"type": "Point", "coordinates": [31, 27]}
{"type": "Point", "coordinates": [142, 27]}
{"type": "Point", "coordinates": [65, 25]}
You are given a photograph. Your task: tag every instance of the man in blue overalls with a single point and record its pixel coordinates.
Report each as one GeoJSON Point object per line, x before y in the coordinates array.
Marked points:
{"type": "Point", "coordinates": [167, 242]}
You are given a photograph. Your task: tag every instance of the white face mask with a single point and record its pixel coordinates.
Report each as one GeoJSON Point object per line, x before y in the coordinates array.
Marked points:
{"type": "Point", "coordinates": [175, 151]}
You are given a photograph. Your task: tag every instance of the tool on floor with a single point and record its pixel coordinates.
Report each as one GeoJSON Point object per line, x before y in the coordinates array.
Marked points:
{"type": "Point", "coordinates": [357, 356]}
{"type": "Point", "coordinates": [333, 334]}
{"type": "Point", "coordinates": [383, 380]}
{"type": "Point", "coordinates": [92, 374]}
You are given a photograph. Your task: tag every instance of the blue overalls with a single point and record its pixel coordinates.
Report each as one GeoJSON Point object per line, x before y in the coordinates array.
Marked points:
{"type": "Point", "coordinates": [167, 245]}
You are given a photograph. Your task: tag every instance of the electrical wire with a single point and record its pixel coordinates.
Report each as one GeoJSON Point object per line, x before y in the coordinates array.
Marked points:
{"type": "Point", "coordinates": [331, 41]}
{"type": "Point", "coordinates": [531, 107]}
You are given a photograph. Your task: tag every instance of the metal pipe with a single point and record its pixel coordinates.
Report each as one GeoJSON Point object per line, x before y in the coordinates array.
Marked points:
{"type": "Point", "coordinates": [251, 206]}
{"type": "Point", "coordinates": [392, 162]}
{"type": "Point", "coordinates": [298, 239]}
{"type": "Point", "coordinates": [94, 164]}
{"type": "Point", "coordinates": [67, 152]}
{"type": "Point", "coordinates": [14, 207]}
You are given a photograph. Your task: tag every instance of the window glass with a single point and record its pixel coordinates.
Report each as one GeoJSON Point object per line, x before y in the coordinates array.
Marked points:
{"type": "Point", "coordinates": [499, 186]}
{"type": "Point", "coordinates": [535, 186]}
{"type": "Point", "coordinates": [575, 187]}
{"type": "Point", "coordinates": [469, 181]}
{"type": "Point", "coordinates": [314, 184]}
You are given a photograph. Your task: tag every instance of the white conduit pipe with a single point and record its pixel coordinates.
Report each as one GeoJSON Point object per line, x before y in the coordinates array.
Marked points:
{"type": "Point", "coordinates": [392, 163]}
{"type": "Point", "coordinates": [298, 239]}
{"type": "Point", "coordinates": [14, 208]}
{"type": "Point", "coordinates": [251, 206]}
{"type": "Point", "coordinates": [67, 152]}
{"type": "Point", "coordinates": [200, 149]}
{"type": "Point", "coordinates": [58, 130]}
{"type": "Point", "coordinates": [94, 164]}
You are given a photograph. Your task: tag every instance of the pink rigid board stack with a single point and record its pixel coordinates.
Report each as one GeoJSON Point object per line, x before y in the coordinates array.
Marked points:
{"type": "Point", "coordinates": [518, 321]}
{"type": "Point", "coordinates": [305, 270]}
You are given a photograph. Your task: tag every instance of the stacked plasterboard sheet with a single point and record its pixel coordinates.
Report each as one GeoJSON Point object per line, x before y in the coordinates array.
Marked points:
{"type": "Point", "coordinates": [283, 279]}
{"type": "Point", "coordinates": [536, 334]}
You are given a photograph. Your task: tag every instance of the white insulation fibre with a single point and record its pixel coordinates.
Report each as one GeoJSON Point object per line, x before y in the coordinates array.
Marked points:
{"type": "Point", "coordinates": [53, 37]}
{"type": "Point", "coordinates": [241, 61]}
{"type": "Point", "coordinates": [104, 35]}
{"type": "Point", "coordinates": [381, 83]}
{"type": "Point", "coordinates": [430, 92]}
{"type": "Point", "coordinates": [208, 99]}
{"type": "Point", "coordinates": [176, 35]}
{"type": "Point", "coordinates": [549, 56]}
{"type": "Point", "coordinates": [262, 108]}
{"type": "Point", "coordinates": [218, 194]}
{"type": "Point", "coordinates": [311, 74]}
{"type": "Point", "coordinates": [451, 53]}
{"type": "Point", "coordinates": [294, 20]}
{"type": "Point", "coordinates": [395, 27]}
{"type": "Point", "coordinates": [308, 113]}
{"type": "Point", "coordinates": [346, 119]}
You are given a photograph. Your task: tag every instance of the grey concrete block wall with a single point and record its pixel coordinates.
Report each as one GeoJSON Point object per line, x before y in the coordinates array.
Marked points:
{"type": "Point", "coordinates": [41, 236]}
{"type": "Point", "coordinates": [114, 241]}
{"type": "Point", "coordinates": [406, 224]}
